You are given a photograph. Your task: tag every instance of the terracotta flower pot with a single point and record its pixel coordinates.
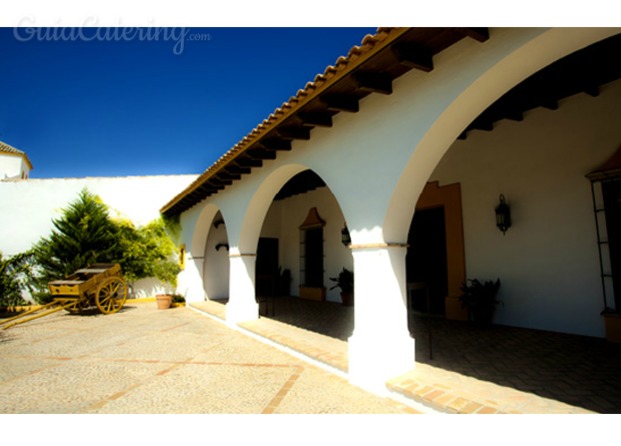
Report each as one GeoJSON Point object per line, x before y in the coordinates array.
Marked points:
{"type": "Point", "coordinates": [164, 301]}
{"type": "Point", "coordinates": [347, 299]}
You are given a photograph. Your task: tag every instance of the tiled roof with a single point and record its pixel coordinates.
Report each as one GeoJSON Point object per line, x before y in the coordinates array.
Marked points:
{"type": "Point", "coordinates": [408, 48]}
{"type": "Point", "coordinates": [310, 90]}
{"type": "Point", "coordinates": [5, 148]}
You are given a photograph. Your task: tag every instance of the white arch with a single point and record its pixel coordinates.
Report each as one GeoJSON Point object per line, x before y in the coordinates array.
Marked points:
{"type": "Point", "coordinates": [201, 230]}
{"type": "Point", "coordinates": [499, 78]}
{"type": "Point", "coordinates": [259, 205]}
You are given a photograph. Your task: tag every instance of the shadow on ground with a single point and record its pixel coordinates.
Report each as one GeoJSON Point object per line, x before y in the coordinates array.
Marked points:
{"type": "Point", "coordinates": [578, 370]}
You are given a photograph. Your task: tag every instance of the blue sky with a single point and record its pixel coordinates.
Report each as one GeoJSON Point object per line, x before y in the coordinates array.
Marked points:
{"type": "Point", "coordinates": [95, 102]}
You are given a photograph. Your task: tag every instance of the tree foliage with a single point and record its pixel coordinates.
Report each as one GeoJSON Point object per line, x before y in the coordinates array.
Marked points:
{"type": "Point", "coordinates": [83, 235]}
{"type": "Point", "coordinates": [147, 251]}
{"type": "Point", "coordinates": [14, 273]}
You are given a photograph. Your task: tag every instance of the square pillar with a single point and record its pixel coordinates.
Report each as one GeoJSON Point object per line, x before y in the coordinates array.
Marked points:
{"type": "Point", "coordinates": [380, 347]}
{"type": "Point", "coordinates": [242, 305]}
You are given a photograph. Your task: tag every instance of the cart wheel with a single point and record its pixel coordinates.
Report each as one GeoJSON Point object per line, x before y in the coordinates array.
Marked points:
{"type": "Point", "coordinates": [111, 295]}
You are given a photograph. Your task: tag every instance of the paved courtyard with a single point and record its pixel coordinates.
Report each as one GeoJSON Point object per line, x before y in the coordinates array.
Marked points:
{"type": "Point", "coordinates": [580, 371]}
{"type": "Point", "coordinates": [148, 361]}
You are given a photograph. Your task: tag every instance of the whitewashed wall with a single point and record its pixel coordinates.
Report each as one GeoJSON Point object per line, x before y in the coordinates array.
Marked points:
{"type": "Point", "coordinates": [547, 261]}
{"type": "Point", "coordinates": [283, 221]}
{"type": "Point", "coordinates": [12, 167]}
{"type": "Point", "coordinates": [27, 208]}
{"type": "Point", "coordinates": [216, 263]}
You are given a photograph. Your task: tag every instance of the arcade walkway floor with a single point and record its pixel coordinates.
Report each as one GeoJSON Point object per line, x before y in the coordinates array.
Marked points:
{"type": "Point", "coordinates": [461, 368]}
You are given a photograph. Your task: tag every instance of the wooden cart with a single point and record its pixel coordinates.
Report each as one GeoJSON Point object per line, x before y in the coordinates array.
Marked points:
{"type": "Point", "coordinates": [100, 285]}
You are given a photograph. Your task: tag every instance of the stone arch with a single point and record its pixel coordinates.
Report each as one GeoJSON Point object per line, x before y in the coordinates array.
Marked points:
{"type": "Point", "coordinates": [201, 258]}
{"type": "Point", "coordinates": [201, 230]}
{"type": "Point", "coordinates": [259, 204]}
{"type": "Point", "coordinates": [467, 104]}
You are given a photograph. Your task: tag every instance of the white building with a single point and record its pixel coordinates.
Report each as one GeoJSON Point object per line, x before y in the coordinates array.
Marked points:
{"type": "Point", "coordinates": [425, 128]}
{"type": "Point", "coordinates": [14, 164]}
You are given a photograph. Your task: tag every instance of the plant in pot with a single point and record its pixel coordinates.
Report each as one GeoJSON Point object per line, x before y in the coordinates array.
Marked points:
{"type": "Point", "coordinates": [166, 271]}
{"type": "Point", "coordinates": [345, 281]}
{"type": "Point", "coordinates": [480, 300]}
{"type": "Point", "coordinates": [284, 281]}
{"type": "Point", "coordinates": [612, 320]}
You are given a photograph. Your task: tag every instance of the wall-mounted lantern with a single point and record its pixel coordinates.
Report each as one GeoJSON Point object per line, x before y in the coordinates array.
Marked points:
{"type": "Point", "coordinates": [345, 237]}
{"type": "Point", "coordinates": [503, 215]}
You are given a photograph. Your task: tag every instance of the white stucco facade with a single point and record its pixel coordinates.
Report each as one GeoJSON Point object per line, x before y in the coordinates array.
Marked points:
{"type": "Point", "coordinates": [376, 163]}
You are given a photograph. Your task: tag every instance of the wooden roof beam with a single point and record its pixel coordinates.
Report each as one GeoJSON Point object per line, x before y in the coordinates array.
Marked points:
{"type": "Point", "coordinates": [217, 184]}
{"type": "Point", "coordinates": [549, 103]}
{"type": "Point", "coordinates": [272, 144]}
{"type": "Point", "coordinates": [232, 168]}
{"type": "Point", "coordinates": [316, 119]}
{"type": "Point", "coordinates": [373, 82]}
{"type": "Point", "coordinates": [225, 176]}
{"type": "Point", "coordinates": [487, 126]}
{"type": "Point", "coordinates": [294, 133]}
{"type": "Point", "coordinates": [340, 103]}
{"type": "Point", "coordinates": [514, 115]}
{"type": "Point", "coordinates": [261, 154]}
{"type": "Point", "coordinates": [413, 57]}
{"type": "Point", "coordinates": [205, 189]}
{"type": "Point", "coordinates": [591, 90]}
{"type": "Point", "coordinates": [478, 34]}
{"type": "Point", "coordinates": [245, 162]}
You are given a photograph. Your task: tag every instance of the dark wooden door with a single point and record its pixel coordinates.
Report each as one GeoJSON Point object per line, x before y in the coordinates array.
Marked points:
{"type": "Point", "coordinates": [267, 267]}
{"type": "Point", "coordinates": [426, 260]}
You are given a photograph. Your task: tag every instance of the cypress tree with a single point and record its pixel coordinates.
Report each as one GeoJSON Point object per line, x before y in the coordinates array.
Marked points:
{"type": "Point", "coordinates": [84, 235]}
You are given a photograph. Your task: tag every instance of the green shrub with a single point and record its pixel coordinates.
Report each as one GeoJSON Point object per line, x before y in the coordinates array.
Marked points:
{"type": "Point", "coordinates": [14, 273]}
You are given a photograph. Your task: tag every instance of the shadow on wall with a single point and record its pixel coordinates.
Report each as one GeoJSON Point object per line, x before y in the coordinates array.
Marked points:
{"type": "Point", "coordinates": [150, 287]}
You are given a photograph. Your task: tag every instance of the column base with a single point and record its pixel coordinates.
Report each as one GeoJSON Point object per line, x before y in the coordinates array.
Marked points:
{"type": "Point", "coordinates": [248, 311]}
{"type": "Point", "coordinates": [374, 359]}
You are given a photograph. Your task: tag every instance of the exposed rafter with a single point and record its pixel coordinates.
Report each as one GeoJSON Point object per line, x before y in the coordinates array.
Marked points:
{"type": "Point", "coordinates": [294, 133]}
{"type": "Point", "coordinates": [341, 102]}
{"type": "Point", "coordinates": [316, 119]}
{"type": "Point", "coordinates": [262, 154]}
{"type": "Point", "coordinates": [273, 144]}
{"type": "Point", "coordinates": [373, 82]}
{"type": "Point", "coordinates": [412, 56]}
{"type": "Point", "coordinates": [478, 34]}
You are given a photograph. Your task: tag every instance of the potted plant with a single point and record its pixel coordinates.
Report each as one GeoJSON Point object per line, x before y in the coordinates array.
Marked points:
{"type": "Point", "coordinates": [612, 319]}
{"type": "Point", "coordinates": [178, 300]}
{"type": "Point", "coordinates": [345, 281]}
{"type": "Point", "coordinates": [480, 299]}
{"type": "Point", "coordinates": [164, 301]}
{"type": "Point", "coordinates": [284, 282]}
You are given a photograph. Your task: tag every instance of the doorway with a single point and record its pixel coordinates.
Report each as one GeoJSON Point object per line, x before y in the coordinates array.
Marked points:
{"type": "Point", "coordinates": [426, 262]}
{"type": "Point", "coordinates": [266, 268]}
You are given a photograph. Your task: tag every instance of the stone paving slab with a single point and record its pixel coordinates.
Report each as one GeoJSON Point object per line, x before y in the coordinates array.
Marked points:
{"type": "Point", "coordinates": [148, 361]}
